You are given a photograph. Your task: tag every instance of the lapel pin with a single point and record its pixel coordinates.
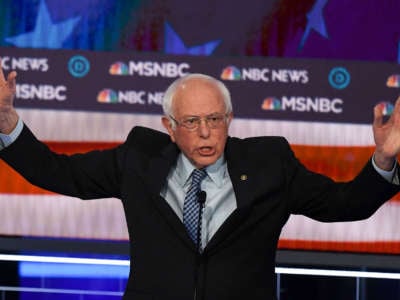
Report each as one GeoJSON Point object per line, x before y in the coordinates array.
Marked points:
{"type": "Point", "coordinates": [243, 177]}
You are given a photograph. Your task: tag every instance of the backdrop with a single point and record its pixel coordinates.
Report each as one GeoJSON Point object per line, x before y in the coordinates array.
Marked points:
{"type": "Point", "coordinates": [308, 70]}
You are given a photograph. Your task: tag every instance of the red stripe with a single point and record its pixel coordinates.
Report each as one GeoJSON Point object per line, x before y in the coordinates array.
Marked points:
{"type": "Point", "coordinates": [339, 163]}
{"type": "Point", "coordinates": [388, 247]}
{"type": "Point", "coordinates": [81, 147]}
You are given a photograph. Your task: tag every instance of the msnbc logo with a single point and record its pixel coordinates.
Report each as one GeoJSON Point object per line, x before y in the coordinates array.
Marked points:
{"type": "Point", "coordinates": [271, 103]}
{"type": "Point", "coordinates": [387, 108]}
{"type": "Point", "coordinates": [230, 73]}
{"type": "Point", "coordinates": [303, 104]}
{"type": "Point", "coordinates": [393, 81]}
{"type": "Point", "coordinates": [119, 68]}
{"type": "Point", "coordinates": [107, 96]}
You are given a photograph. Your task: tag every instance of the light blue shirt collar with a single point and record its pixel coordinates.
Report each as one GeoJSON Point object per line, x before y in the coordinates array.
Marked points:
{"type": "Point", "coordinates": [216, 172]}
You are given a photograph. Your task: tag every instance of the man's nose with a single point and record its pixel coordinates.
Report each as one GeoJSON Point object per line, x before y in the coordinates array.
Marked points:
{"type": "Point", "coordinates": [204, 130]}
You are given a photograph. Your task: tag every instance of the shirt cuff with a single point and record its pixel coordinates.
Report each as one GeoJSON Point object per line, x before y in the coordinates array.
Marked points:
{"type": "Point", "coordinates": [7, 139]}
{"type": "Point", "coordinates": [391, 176]}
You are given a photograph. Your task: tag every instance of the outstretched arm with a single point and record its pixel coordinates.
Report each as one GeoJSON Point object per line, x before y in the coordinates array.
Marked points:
{"type": "Point", "coordinates": [94, 175]}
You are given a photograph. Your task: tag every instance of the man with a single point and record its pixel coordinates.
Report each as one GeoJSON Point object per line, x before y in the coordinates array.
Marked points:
{"type": "Point", "coordinates": [182, 248]}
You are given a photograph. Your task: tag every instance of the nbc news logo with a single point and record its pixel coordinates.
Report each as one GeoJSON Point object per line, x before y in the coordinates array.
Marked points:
{"type": "Point", "coordinates": [118, 68]}
{"type": "Point", "coordinates": [233, 73]}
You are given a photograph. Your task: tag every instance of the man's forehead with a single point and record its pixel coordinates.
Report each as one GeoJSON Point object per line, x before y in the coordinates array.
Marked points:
{"type": "Point", "coordinates": [197, 96]}
{"type": "Point", "coordinates": [201, 88]}
{"type": "Point", "coordinates": [193, 83]}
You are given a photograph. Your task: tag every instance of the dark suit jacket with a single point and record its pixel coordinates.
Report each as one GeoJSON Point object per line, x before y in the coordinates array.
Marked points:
{"type": "Point", "coordinates": [238, 262]}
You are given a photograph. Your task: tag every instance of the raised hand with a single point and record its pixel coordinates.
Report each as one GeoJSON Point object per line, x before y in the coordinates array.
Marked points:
{"type": "Point", "coordinates": [8, 115]}
{"type": "Point", "coordinates": [387, 137]}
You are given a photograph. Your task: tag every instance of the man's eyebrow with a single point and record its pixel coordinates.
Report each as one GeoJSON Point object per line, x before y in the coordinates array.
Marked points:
{"type": "Point", "coordinates": [190, 116]}
{"type": "Point", "coordinates": [197, 116]}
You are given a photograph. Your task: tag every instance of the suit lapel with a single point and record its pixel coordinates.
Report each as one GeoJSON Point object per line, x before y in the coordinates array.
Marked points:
{"type": "Point", "coordinates": [156, 175]}
{"type": "Point", "coordinates": [244, 180]}
{"type": "Point", "coordinates": [159, 168]}
{"type": "Point", "coordinates": [242, 172]}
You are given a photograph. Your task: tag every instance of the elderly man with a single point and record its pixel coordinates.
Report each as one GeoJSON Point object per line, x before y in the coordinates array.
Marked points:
{"type": "Point", "coordinates": [204, 210]}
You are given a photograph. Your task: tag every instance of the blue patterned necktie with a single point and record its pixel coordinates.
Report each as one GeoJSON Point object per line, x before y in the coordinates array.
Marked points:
{"type": "Point", "coordinates": [191, 207]}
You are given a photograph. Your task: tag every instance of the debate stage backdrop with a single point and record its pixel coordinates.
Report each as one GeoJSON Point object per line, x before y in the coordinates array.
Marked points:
{"type": "Point", "coordinates": [312, 71]}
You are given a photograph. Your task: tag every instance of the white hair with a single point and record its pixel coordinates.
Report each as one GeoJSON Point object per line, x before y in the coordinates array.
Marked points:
{"type": "Point", "coordinates": [171, 90]}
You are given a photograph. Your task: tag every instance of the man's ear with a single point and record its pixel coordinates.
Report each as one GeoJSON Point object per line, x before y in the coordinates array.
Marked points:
{"type": "Point", "coordinates": [230, 117]}
{"type": "Point", "coordinates": [168, 126]}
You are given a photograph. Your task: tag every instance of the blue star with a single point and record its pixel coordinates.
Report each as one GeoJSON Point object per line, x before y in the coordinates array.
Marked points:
{"type": "Point", "coordinates": [46, 34]}
{"type": "Point", "coordinates": [315, 21]}
{"type": "Point", "coordinates": [174, 44]}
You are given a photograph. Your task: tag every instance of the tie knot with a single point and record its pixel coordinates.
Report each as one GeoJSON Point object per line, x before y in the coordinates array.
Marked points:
{"type": "Point", "coordinates": [198, 175]}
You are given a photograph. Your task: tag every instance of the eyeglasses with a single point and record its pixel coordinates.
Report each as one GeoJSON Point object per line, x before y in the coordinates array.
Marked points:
{"type": "Point", "coordinates": [192, 123]}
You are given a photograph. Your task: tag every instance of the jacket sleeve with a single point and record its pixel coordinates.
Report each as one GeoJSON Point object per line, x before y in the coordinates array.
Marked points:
{"type": "Point", "coordinates": [320, 198]}
{"type": "Point", "coordinates": [95, 174]}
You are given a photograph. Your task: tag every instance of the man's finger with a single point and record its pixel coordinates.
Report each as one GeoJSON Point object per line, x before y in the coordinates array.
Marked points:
{"type": "Point", "coordinates": [2, 79]}
{"type": "Point", "coordinates": [11, 80]}
{"type": "Point", "coordinates": [378, 115]}
{"type": "Point", "coordinates": [397, 106]}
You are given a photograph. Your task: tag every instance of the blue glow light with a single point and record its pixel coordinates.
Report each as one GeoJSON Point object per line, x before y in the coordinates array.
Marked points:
{"type": "Point", "coordinates": [65, 270]}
